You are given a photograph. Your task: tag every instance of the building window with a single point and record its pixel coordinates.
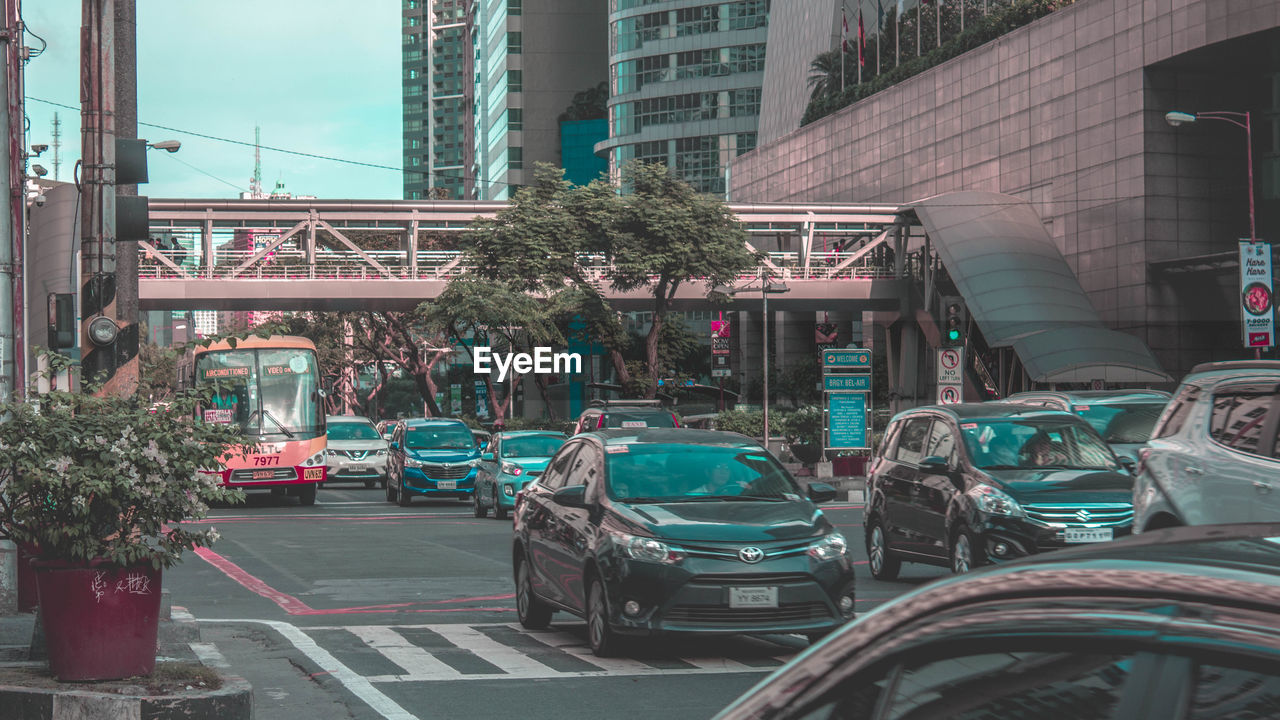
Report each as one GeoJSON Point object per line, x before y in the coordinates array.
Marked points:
{"type": "Point", "coordinates": [515, 119]}
{"type": "Point", "coordinates": [748, 14]}
{"type": "Point", "coordinates": [697, 20]}
{"type": "Point", "coordinates": [746, 58]}
{"type": "Point", "coordinates": [515, 80]}
{"type": "Point", "coordinates": [515, 158]}
{"type": "Point", "coordinates": [514, 7]}
{"type": "Point", "coordinates": [745, 142]}
{"type": "Point", "coordinates": [513, 43]}
{"type": "Point", "coordinates": [744, 103]}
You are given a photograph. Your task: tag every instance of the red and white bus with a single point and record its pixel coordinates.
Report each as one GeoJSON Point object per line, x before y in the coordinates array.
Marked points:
{"type": "Point", "coordinates": [270, 387]}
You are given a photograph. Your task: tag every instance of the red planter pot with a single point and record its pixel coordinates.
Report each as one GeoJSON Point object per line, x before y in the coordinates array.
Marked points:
{"type": "Point", "coordinates": [100, 620]}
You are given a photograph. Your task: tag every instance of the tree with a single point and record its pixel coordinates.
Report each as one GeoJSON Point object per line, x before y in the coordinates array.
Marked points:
{"type": "Point", "coordinates": [473, 310]}
{"type": "Point", "coordinates": [664, 233]}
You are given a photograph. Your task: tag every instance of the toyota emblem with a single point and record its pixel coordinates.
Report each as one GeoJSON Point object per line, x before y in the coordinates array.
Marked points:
{"type": "Point", "coordinates": [751, 555]}
{"type": "Point", "coordinates": [1084, 515]}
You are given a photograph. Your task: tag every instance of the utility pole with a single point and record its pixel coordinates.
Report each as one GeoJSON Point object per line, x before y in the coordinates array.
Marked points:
{"type": "Point", "coordinates": [57, 145]}
{"type": "Point", "coordinates": [97, 189]}
{"type": "Point", "coordinates": [12, 220]}
{"type": "Point", "coordinates": [126, 126]}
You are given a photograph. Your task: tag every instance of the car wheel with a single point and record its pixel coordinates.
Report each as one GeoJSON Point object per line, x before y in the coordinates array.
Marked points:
{"type": "Point", "coordinates": [884, 564]}
{"type": "Point", "coordinates": [307, 494]}
{"type": "Point", "coordinates": [477, 508]}
{"type": "Point", "coordinates": [403, 499]}
{"type": "Point", "coordinates": [533, 614]}
{"type": "Point", "coordinates": [603, 640]}
{"type": "Point", "coordinates": [499, 512]}
{"type": "Point", "coordinates": [965, 553]}
{"type": "Point", "coordinates": [390, 492]}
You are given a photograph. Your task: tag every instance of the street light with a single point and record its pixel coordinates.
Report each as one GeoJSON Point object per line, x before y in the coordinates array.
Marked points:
{"type": "Point", "coordinates": [1176, 118]}
{"type": "Point", "coordinates": [767, 287]}
{"type": "Point", "coordinates": [169, 145]}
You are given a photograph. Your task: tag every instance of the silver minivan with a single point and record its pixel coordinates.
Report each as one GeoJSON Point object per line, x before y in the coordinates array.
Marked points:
{"type": "Point", "coordinates": [357, 452]}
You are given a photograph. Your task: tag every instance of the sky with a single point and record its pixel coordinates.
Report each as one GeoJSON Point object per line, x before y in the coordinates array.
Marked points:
{"type": "Point", "coordinates": [317, 76]}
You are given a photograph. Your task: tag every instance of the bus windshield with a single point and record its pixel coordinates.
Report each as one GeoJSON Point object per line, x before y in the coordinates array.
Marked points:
{"type": "Point", "coordinates": [267, 391]}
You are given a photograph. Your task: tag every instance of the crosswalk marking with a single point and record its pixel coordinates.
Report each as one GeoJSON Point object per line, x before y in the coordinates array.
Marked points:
{"type": "Point", "coordinates": [418, 663]}
{"type": "Point", "coordinates": [559, 652]}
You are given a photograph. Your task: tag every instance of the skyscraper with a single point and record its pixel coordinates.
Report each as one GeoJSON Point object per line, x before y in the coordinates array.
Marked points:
{"type": "Point", "coordinates": [685, 84]}
{"type": "Point", "coordinates": [437, 63]}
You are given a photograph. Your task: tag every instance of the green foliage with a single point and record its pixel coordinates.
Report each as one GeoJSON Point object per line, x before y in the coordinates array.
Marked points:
{"type": "Point", "coordinates": [88, 477]}
{"type": "Point", "coordinates": [540, 424]}
{"type": "Point", "coordinates": [1001, 20]}
{"type": "Point", "coordinates": [746, 422]}
{"type": "Point", "coordinates": [799, 380]}
{"type": "Point", "coordinates": [589, 104]}
{"type": "Point", "coordinates": [803, 426]}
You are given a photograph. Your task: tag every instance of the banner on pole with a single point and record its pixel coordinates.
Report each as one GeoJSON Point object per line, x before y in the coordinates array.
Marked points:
{"type": "Point", "coordinates": [1256, 302]}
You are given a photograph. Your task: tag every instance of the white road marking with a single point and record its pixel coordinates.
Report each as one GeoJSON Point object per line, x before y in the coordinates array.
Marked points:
{"type": "Point", "coordinates": [418, 663]}
{"type": "Point", "coordinates": [508, 659]}
{"type": "Point", "coordinates": [357, 684]}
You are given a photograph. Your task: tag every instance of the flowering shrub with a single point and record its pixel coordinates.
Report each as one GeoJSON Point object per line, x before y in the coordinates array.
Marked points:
{"type": "Point", "coordinates": [85, 477]}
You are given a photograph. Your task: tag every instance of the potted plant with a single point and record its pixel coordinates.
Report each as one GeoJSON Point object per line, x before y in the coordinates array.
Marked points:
{"type": "Point", "coordinates": [98, 487]}
{"type": "Point", "coordinates": [803, 430]}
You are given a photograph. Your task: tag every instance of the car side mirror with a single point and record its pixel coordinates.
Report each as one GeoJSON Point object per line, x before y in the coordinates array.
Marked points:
{"type": "Point", "coordinates": [487, 457]}
{"type": "Point", "coordinates": [574, 496]}
{"type": "Point", "coordinates": [821, 492]}
{"type": "Point", "coordinates": [935, 464]}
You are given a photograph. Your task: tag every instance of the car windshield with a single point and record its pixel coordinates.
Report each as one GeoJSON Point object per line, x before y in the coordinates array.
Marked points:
{"type": "Point", "coordinates": [1130, 422]}
{"type": "Point", "coordinates": [996, 444]}
{"type": "Point", "coordinates": [695, 473]}
{"type": "Point", "coordinates": [638, 418]}
{"type": "Point", "coordinates": [531, 446]}
{"type": "Point", "coordinates": [352, 431]}
{"type": "Point", "coordinates": [439, 437]}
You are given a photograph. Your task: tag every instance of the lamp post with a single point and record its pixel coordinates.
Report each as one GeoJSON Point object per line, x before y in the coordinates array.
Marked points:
{"type": "Point", "coordinates": [767, 287]}
{"type": "Point", "coordinates": [1239, 119]}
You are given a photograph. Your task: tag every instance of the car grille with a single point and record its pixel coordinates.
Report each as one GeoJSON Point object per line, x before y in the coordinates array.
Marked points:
{"type": "Point", "coordinates": [749, 579]}
{"type": "Point", "coordinates": [1081, 514]}
{"type": "Point", "coordinates": [263, 475]}
{"type": "Point", "coordinates": [723, 615]}
{"type": "Point", "coordinates": [445, 472]}
{"type": "Point", "coordinates": [355, 454]}
{"type": "Point", "coordinates": [731, 553]}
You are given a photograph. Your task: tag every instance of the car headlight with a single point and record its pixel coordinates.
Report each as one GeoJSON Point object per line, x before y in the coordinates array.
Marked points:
{"type": "Point", "coordinates": [645, 549]}
{"type": "Point", "coordinates": [317, 459]}
{"type": "Point", "coordinates": [410, 462]}
{"type": "Point", "coordinates": [379, 453]}
{"type": "Point", "coordinates": [512, 469]}
{"type": "Point", "coordinates": [829, 547]}
{"type": "Point", "coordinates": [995, 501]}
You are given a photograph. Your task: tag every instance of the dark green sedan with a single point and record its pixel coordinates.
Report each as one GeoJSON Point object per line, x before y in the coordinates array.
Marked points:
{"type": "Point", "coordinates": [513, 459]}
{"type": "Point", "coordinates": [661, 530]}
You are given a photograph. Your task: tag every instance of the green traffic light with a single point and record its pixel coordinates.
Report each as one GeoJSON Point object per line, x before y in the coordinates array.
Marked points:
{"type": "Point", "coordinates": [953, 335]}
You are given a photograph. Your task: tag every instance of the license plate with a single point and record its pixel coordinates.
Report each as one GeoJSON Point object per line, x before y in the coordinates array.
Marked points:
{"type": "Point", "coordinates": [753, 597]}
{"type": "Point", "coordinates": [634, 424]}
{"type": "Point", "coordinates": [447, 485]}
{"type": "Point", "coordinates": [356, 468]}
{"type": "Point", "coordinates": [1086, 535]}
{"type": "Point", "coordinates": [263, 474]}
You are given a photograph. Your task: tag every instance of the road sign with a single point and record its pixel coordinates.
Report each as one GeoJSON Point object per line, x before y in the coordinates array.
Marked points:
{"type": "Point", "coordinates": [719, 345]}
{"type": "Point", "coordinates": [846, 359]}
{"type": "Point", "coordinates": [720, 366]}
{"type": "Point", "coordinates": [721, 372]}
{"type": "Point", "coordinates": [847, 421]}
{"type": "Point", "coordinates": [950, 375]}
{"type": "Point", "coordinates": [832, 383]}
{"type": "Point", "coordinates": [948, 395]}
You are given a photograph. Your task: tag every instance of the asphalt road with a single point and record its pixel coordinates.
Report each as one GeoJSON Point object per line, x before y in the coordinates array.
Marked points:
{"type": "Point", "coordinates": [357, 608]}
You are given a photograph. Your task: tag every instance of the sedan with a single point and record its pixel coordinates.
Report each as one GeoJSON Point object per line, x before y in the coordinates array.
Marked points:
{"type": "Point", "coordinates": [1180, 623]}
{"type": "Point", "coordinates": [650, 531]}
{"type": "Point", "coordinates": [512, 461]}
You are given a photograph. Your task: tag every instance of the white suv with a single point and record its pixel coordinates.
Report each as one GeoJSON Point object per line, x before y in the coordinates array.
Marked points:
{"type": "Point", "coordinates": [1214, 456]}
{"type": "Point", "coordinates": [356, 452]}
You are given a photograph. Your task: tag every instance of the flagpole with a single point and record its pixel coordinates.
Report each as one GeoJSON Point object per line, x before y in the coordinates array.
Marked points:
{"type": "Point", "coordinates": [861, 47]}
{"type": "Point", "coordinates": [937, 19]}
{"type": "Point", "coordinates": [879, 32]}
{"type": "Point", "coordinates": [919, 18]}
{"type": "Point", "coordinates": [897, 35]}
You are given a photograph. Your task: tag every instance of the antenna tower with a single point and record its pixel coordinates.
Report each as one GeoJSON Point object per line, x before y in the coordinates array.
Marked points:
{"type": "Point", "coordinates": [255, 185]}
{"type": "Point", "coordinates": [57, 144]}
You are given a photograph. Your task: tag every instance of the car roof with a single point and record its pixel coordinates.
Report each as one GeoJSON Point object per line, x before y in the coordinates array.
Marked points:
{"type": "Point", "coordinates": [425, 422]}
{"type": "Point", "coordinates": [965, 411]}
{"type": "Point", "coordinates": [526, 433]}
{"type": "Point", "coordinates": [1208, 373]}
{"type": "Point", "coordinates": [671, 436]}
{"type": "Point", "coordinates": [1097, 396]}
{"type": "Point", "coordinates": [347, 419]}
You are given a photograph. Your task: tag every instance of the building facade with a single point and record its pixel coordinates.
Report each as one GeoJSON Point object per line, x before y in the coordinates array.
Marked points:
{"type": "Point", "coordinates": [685, 80]}
{"type": "Point", "coordinates": [437, 58]}
{"type": "Point", "coordinates": [1068, 113]}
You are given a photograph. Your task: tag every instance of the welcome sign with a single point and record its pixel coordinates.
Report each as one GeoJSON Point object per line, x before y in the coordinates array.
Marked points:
{"type": "Point", "coordinates": [1256, 301]}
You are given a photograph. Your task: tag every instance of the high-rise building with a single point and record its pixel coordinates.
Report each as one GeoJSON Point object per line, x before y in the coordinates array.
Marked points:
{"type": "Point", "coordinates": [685, 84]}
{"type": "Point", "coordinates": [485, 82]}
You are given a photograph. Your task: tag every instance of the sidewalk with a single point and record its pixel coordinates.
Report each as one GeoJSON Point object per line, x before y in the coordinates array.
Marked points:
{"type": "Point", "coordinates": [183, 686]}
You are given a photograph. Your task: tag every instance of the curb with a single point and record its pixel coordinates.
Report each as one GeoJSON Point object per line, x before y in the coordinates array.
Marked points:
{"type": "Point", "coordinates": [233, 701]}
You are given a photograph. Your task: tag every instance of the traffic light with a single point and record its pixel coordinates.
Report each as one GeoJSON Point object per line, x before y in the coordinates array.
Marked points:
{"type": "Point", "coordinates": [954, 319]}
{"type": "Point", "coordinates": [62, 321]}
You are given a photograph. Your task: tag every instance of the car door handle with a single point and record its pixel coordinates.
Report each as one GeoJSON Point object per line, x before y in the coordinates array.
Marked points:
{"type": "Point", "coordinates": [1262, 487]}
{"type": "Point", "coordinates": [1193, 470]}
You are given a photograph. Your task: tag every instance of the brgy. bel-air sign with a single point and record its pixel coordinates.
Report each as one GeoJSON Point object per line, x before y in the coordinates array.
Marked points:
{"type": "Point", "coordinates": [1256, 302]}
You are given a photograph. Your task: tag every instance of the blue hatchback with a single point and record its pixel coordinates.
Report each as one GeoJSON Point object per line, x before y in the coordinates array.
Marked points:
{"type": "Point", "coordinates": [432, 457]}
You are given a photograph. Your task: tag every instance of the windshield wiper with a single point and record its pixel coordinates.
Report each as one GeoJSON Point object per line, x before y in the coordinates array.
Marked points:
{"type": "Point", "coordinates": [758, 498]}
{"type": "Point", "coordinates": [267, 414]}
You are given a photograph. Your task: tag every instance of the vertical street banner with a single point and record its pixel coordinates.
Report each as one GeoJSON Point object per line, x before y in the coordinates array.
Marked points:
{"type": "Point", "coordinates": [482, 399]}
{"type": "Point", "coordinates": [825, 335]}
{"type": "Point", "coordinates": [455, 399]}
{"type": "Point", "coordinates": [720, 349]}
{"type": "Point", "coordinates": [950, 376]}
{"type": "Point", "coordinates": [1256, 305]}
